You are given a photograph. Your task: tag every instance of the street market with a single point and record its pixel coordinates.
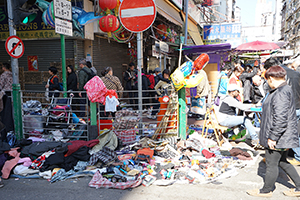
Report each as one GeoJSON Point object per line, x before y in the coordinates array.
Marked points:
{"type": "Point", "coordinates": [125, 94]}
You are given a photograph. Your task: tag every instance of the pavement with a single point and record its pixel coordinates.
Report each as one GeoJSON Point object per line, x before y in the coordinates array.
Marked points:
{"type": "Point", "coordinates": [249, 177]}
{"type": "Point", "coordinates": [231, 188]}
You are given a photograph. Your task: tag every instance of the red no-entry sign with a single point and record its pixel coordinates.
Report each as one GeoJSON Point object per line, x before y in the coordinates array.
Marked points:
{"type": "Point", "coordinates": [14, 46]}
{"type": "Point", "coordinates": [137, 15]}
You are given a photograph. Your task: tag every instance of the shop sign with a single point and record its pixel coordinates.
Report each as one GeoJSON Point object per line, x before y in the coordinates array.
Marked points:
{"type": "Point", "coordinates": [178, 3]}
{"type": "Point", "coordinates": [155, 52]}
{"type": "Point", "coordinates": [164, 47]}
{"type": "Point", "coordinates": [222, 31]}
{"type": "Point", "coordinates": [34, 30]}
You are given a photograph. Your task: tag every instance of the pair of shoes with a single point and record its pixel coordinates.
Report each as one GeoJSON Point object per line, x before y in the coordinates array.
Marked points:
{"type": "Point", "coordinates": [293, 161]}
{"type": "Point", "coordinates": [256, 193]}
{"type": "Point", "coordinates": [1, 183]}
{"type": "Point", "coordinates": [292, 193]}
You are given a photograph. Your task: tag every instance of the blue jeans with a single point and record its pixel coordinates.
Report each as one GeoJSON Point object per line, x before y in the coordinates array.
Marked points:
{"type": "Point", "coordinates": [297, 150]}
{"type": "Point", "coordinates": [241, 120]}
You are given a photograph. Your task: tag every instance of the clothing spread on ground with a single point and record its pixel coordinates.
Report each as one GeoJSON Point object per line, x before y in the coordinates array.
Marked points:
{"type": "Point", "coordinates": [146, 162]}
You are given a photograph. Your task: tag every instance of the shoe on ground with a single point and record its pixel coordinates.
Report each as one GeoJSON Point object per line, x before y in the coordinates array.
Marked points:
{"type": "Point", "coordinates": [293, 161]}
{"type": "Point", "coordinates": [1, 184]}
{"type": "Point", "coordinates": [256, 193]}
{"type": "Point", "coordinates": [292, 193]}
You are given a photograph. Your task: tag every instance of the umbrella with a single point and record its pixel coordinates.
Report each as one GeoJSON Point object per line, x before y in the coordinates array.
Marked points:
{"type": "Point", "coordinates": [257, 46]}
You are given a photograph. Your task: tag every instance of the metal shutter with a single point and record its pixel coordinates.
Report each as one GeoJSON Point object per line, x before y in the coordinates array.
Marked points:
{"type": "Point", "coordinates": [112, 54]}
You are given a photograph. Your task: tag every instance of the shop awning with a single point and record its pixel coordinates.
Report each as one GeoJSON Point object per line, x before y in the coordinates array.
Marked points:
{"type": "Point", "coordinates": [194, 33]}
{"type": "Point", "coordinates": [169, 12]}
{"type": "Point", "coordinates": [206, 48]}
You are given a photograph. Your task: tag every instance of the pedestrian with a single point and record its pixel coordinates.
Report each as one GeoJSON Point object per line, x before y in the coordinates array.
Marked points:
{"type": "Point", "coordinates": [89, 65]}
{"type": "Point", "coordinates": [6, 81]}
{"type": "Point", "coordinates": [246, 78]}
{"type": "Point", "coordinates": [223, 80]}
{"type": "Point", "coordinates": [72, 79]}
{"type": "Point", "coordinates": [53, 83]}
{"type": "Point", "coordinates": [145, 87]}
{"type": "Point", "coordinates": [130, 84]}
{"type": "Point", "coordinates": [161, 89]}
{"type": "Point", "coordinates": [112, 83]}
{"type": "Point", "coordinates": [234, 79]}
{"type": "Point", "coordinates": [152, 92]}
{"type": "Point", "coordinates": [83, 78]}
{"type": "Point", "coordinates": [228, 115]}
{"type": "Point", "coordinates": [293, 79]}
{"type": "Point", "coordinates": [278, 133]}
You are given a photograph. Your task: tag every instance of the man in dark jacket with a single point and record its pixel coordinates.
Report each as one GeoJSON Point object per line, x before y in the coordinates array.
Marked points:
{"type": "Point", "coordinates": [83, 78]}
{"type": "Point", "coordinates": [293, 79]}
{"type": "Point", "coordinates": [278, 132]}
{"type": "Point", "coordinates": [130, 84]}
{"type": "Point", "coordinates": [245, 77]}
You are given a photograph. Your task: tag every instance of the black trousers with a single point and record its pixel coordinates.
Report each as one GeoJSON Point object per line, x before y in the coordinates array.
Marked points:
{"type": "Point", "coordinates": [275, 159]}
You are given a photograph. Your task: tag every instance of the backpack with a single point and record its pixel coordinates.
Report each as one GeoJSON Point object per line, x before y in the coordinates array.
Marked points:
{"type": "Point", "coordinates": [90, 74]}
{"type": "Point", "coordinates": [61, 87]}
{"type": "Point", "coordinates": [152, 81]}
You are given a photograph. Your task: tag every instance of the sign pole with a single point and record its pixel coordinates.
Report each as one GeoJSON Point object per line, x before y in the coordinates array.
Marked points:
{"type": "Point", "coordinates": [63, 63]}
{"type": "Point", "coordinates": [140, 67]}
{"type": "Point", "coordinates": [181, 92]}
{"type": "Point", "coordinates": [15, 73]}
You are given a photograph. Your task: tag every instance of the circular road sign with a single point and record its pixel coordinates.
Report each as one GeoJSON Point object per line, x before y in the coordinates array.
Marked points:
{"type": "Point", "coordinates": [137, 16]}
{"type": "Point", "coordinates": [14, 46]}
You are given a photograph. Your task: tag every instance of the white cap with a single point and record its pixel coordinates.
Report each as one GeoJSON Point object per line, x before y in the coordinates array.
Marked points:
{"type": "Point", "coordinates": [232, 87]}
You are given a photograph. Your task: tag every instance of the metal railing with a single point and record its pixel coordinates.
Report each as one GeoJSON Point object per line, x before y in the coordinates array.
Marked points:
{"type": "Point", "coordinates": [55, 118]}
{"type": "Point", "coordinates": [158, 118]}
{"type": "Point", "coordinates": [61, 117]}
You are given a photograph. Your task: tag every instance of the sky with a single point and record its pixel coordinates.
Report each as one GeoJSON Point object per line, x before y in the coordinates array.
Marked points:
{"type": "Point", "coordinates": [248, 11]}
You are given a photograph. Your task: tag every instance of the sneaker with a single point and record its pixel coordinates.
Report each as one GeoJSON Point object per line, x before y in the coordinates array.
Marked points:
{"type": "Point", "coordinates": [293, 161]}
{"type": "Point", "coordinates": [1, 183]}
{"type": "Point", "coordinates": [256, 193]}
{"type": "Point", "coordinates": [292, 193]}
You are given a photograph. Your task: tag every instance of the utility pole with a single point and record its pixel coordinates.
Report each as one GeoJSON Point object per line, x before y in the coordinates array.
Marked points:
{"type": "Point", "coordinates": [15, 72]}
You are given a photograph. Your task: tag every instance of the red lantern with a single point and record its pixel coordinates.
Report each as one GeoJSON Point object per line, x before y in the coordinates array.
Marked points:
{"type": "Point", "coordinates": [108, 5]}
{"type": "Point", "coordinates": [109, 23]}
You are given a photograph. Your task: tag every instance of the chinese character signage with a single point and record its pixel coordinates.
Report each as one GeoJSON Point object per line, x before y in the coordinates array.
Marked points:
{"type": "Point", "coordinates": [221, 31]}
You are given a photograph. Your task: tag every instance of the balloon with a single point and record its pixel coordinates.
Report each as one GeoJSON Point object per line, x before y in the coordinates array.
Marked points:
{"type": "Point", "coordinates": [201, 61]}
{"type": "Point", "coordinates": [193, 80]}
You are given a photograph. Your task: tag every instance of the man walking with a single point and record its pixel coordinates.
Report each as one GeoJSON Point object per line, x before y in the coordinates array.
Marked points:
{"type": "Point", "coordinates": [83, 78]}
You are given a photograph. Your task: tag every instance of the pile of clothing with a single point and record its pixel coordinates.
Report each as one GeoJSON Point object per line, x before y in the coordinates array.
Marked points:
{"type": "Point", "coordinates": [146, 162]}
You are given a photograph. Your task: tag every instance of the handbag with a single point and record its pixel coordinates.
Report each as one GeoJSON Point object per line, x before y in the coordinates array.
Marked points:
{"type": "Point", "coordinates": [217, 98]}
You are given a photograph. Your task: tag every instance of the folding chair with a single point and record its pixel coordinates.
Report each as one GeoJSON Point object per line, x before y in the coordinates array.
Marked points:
{"type": "Point", "coordinates": [210, 123]}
